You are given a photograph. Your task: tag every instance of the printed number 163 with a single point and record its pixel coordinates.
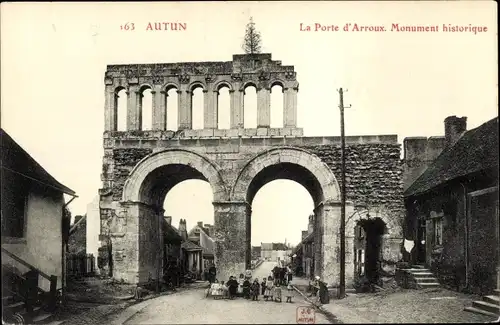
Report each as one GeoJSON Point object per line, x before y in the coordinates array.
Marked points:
{"type": "Point", "coordinates": [127, 26]}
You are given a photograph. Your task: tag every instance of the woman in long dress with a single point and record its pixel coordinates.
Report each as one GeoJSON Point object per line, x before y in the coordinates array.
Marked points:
{"type": "Point", "coordinates": [241, 280]}
{"type": "Point", "coordinates": [268, 294]}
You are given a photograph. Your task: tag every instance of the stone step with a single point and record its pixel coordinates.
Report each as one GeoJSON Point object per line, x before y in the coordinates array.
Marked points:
{"type": "Point", "coordinates": [427, 285]}
{"type": "Point", "coordinates": [426, 280]}
{"type": "Point", "coordinates": [41, 318]}
{"type": "Point", "coordinates": [497, 291]}
{"type": "Point", "coordinates": [423, 275]}
{"type": "Point", "coordinates": [492, 308]}
{"type": "Point", "coordinates": [5, 299]}
{"type": "Point", "coordinates": [418, 270]}
{"type": "Point", "coordinates": [15, 307]}
{"type": "Point", "coordinates": [492, 299]}
{"type": "Point", "coordinates": [479, 311]}
{"type": "Point", "coordinates": [417, 266]}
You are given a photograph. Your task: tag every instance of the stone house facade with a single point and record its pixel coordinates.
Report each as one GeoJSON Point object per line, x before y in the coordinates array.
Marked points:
{"type": "Point", "coordinates": [452, 209]}
{"type": "Point", "coordinates": [172, 242]}
{"type": "Point", "coordinates": [274, 252]}
{"type": "Point", "coordinates": [77, 242]}
{"type": "Point", "coordinates": [200, 235]}
{"type": "Point", "coordinates": [34, 225]}
{"type": "Point", "coordinates": [304, 251]}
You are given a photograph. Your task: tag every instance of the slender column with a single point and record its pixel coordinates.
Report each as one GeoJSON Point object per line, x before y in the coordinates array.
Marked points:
{"type": "Point", "coordinates": [237, 109]}
{"type": "Point", "coordinates": [210, 109]}
{"type": "Point", "coordinates": [133, 110]}
{"type": "Point", "coordinates": [263, 107]}
{"type": "Point", "coordinates": [159, 114]}
{"type": "Point", "coordinates": [290, 107]}
{"type": "Point", "coordinates": [185, 109]}
{"type": "Point", "coordinates": [233, 107]}
{"type": "Point", "coordinates": [110, 116]}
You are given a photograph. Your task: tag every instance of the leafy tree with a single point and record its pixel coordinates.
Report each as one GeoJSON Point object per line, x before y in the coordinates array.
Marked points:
{"type": "Point", "coordinates": [252, 41]}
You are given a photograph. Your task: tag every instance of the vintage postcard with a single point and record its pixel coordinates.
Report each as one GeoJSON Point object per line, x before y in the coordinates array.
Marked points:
{"type": "Point", "coordinates": [274, 162]}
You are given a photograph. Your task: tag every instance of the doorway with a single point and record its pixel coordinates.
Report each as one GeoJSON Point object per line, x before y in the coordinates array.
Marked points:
{"type": "Point", "coordinates": [421, 237]}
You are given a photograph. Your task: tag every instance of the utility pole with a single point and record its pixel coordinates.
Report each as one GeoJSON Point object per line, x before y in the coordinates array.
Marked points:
{"type": "Point", "coordinates": [341, 293]}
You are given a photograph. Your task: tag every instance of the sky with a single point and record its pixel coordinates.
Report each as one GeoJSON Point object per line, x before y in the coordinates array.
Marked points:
{"type": "Point", "coordinates": [54, 56]}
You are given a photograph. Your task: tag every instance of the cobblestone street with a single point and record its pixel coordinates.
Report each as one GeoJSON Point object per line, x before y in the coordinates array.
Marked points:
{"type": "Point", "coordinates": [191, 307]}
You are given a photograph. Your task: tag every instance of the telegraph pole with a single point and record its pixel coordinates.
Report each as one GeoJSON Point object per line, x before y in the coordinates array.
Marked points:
{"type": "Point", "coordinates": [341, 292]}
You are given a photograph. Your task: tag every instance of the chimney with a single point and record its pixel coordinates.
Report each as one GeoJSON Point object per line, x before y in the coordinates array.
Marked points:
{"type": "Point", "coordinates": [304, 234]}
{"type": "Point", "coordinates": [168, 219]}
{"type": "Point", "coordinates": [454, 127]}
{"type": "Point", "coordinates": [209, 228]}
{"type": "Point", "coordinates": [310, 226]}
{"type": "Point", "coordinates": [182, 229]}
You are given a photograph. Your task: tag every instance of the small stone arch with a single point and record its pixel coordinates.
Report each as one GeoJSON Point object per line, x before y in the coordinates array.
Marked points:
{"type": "Point", "coordinates": [277, 82]}
{"type": "Point", "coordinates": [133, 189]}
{"type": "Point", "coordinates": [145, 86]}
{"type": "Point", "coordinates": [247, 84]}
{"type": "Point", "coordinates": [197, 84]}
{"type": "Point", "coordinates": [297, 156]}
{"type": "Point", "coordinates": [221, 84]}
{"type": "Point", "coordinates": [169, 85]}
{"type": "Point", "coordinates": [120, 88]}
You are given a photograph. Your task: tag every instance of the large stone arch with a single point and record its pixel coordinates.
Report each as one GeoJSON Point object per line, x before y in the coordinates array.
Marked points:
{"type": "Point", "coordinates": [296, 156]}
{"type": "Point", "coordinates": [234, 221]}
{"type": "Point", "coordinates": [136, 232]}
{"type": "Point", "coordinates": [135, 189]}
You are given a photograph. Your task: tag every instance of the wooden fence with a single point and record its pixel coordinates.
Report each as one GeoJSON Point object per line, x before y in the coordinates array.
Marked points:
{"type": "Point", "coordinates": [80, 265]}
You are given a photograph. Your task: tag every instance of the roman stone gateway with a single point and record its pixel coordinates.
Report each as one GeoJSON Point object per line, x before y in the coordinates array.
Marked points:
{"type": "Point", "coordinates": [141, 166]}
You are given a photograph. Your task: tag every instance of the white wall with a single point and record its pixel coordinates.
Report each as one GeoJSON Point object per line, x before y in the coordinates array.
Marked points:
{"type": "Point", "coordinates": [42, 243]}
{"type": "Point", "coordinates": [93, 228]}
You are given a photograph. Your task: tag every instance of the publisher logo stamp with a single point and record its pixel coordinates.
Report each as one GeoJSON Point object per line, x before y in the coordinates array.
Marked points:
{"type": "Point", "coordinates": [306, 315]}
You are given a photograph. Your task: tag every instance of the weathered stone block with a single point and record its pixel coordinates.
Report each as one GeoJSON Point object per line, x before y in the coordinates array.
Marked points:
{"type": "Point", "coordinates": [261, 132]}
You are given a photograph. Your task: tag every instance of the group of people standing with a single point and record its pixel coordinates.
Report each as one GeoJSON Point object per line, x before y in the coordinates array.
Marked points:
{"type": "Point", "coordinates": [270, 288]}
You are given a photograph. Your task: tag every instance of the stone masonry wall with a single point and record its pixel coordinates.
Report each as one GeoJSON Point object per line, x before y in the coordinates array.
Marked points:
{"type": "Point", "coordinates": [373, 174]}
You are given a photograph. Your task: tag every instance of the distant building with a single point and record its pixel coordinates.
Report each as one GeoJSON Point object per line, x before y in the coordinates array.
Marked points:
{"type": "Point", "coordinates": [200, 235]}
{"type": "Point", "coordinates": [275, 252]}
{"type": "Point", "coordinates": [303, 253]}
{"type": "Point", "coordinates": [172, 241]}
{"type": "Point", "coordinates": [256, 252]}
{"type": "Point", "coordinates": [452, 209]}
{"type": "Point", "coordinates": [77, 242]}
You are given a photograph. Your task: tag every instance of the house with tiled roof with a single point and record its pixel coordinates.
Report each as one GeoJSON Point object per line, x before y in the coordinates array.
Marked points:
{"type": "Point", "coordinates": [303, 254]}
{"type": "Point", "coordinates": [35, 230]}
{"type": "Point", "coordinates": [200, 234]}
{"type": "Point", "coordinates": [452, 209]}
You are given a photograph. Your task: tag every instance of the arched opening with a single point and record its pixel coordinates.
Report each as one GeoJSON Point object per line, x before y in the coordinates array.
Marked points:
{"type": "Point", "coordinates": [306, 169]}
{"type": "Point", "coordinates": [146, 108]}
{"type": "Point", "coordinates": [147, 210]}
{"type": "Point", "coordinates": [282, 197]}
{"type": "Point", "coordinates": [197, 102]}
{"type": "Point", "coordinates": [280, 211]}
{"type": "Point", "coordinates": [223, 108]}
{"type": "Point", "coordinates": [277, 106]}
{"type": "Point", "coordinates": [195, 222]}
{"type": "Point", "coordinates": [250, 107]}
{"type": "Point", "coordinates": [368, 248]}
{"type": "Point", "coordinates": [172, 107]}
{"type": "Point", "coordinates": [121, 109]}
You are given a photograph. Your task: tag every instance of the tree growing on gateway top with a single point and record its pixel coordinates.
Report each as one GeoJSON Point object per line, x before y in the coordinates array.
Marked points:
{"type": "Point", "coordinates": [252, 41]}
